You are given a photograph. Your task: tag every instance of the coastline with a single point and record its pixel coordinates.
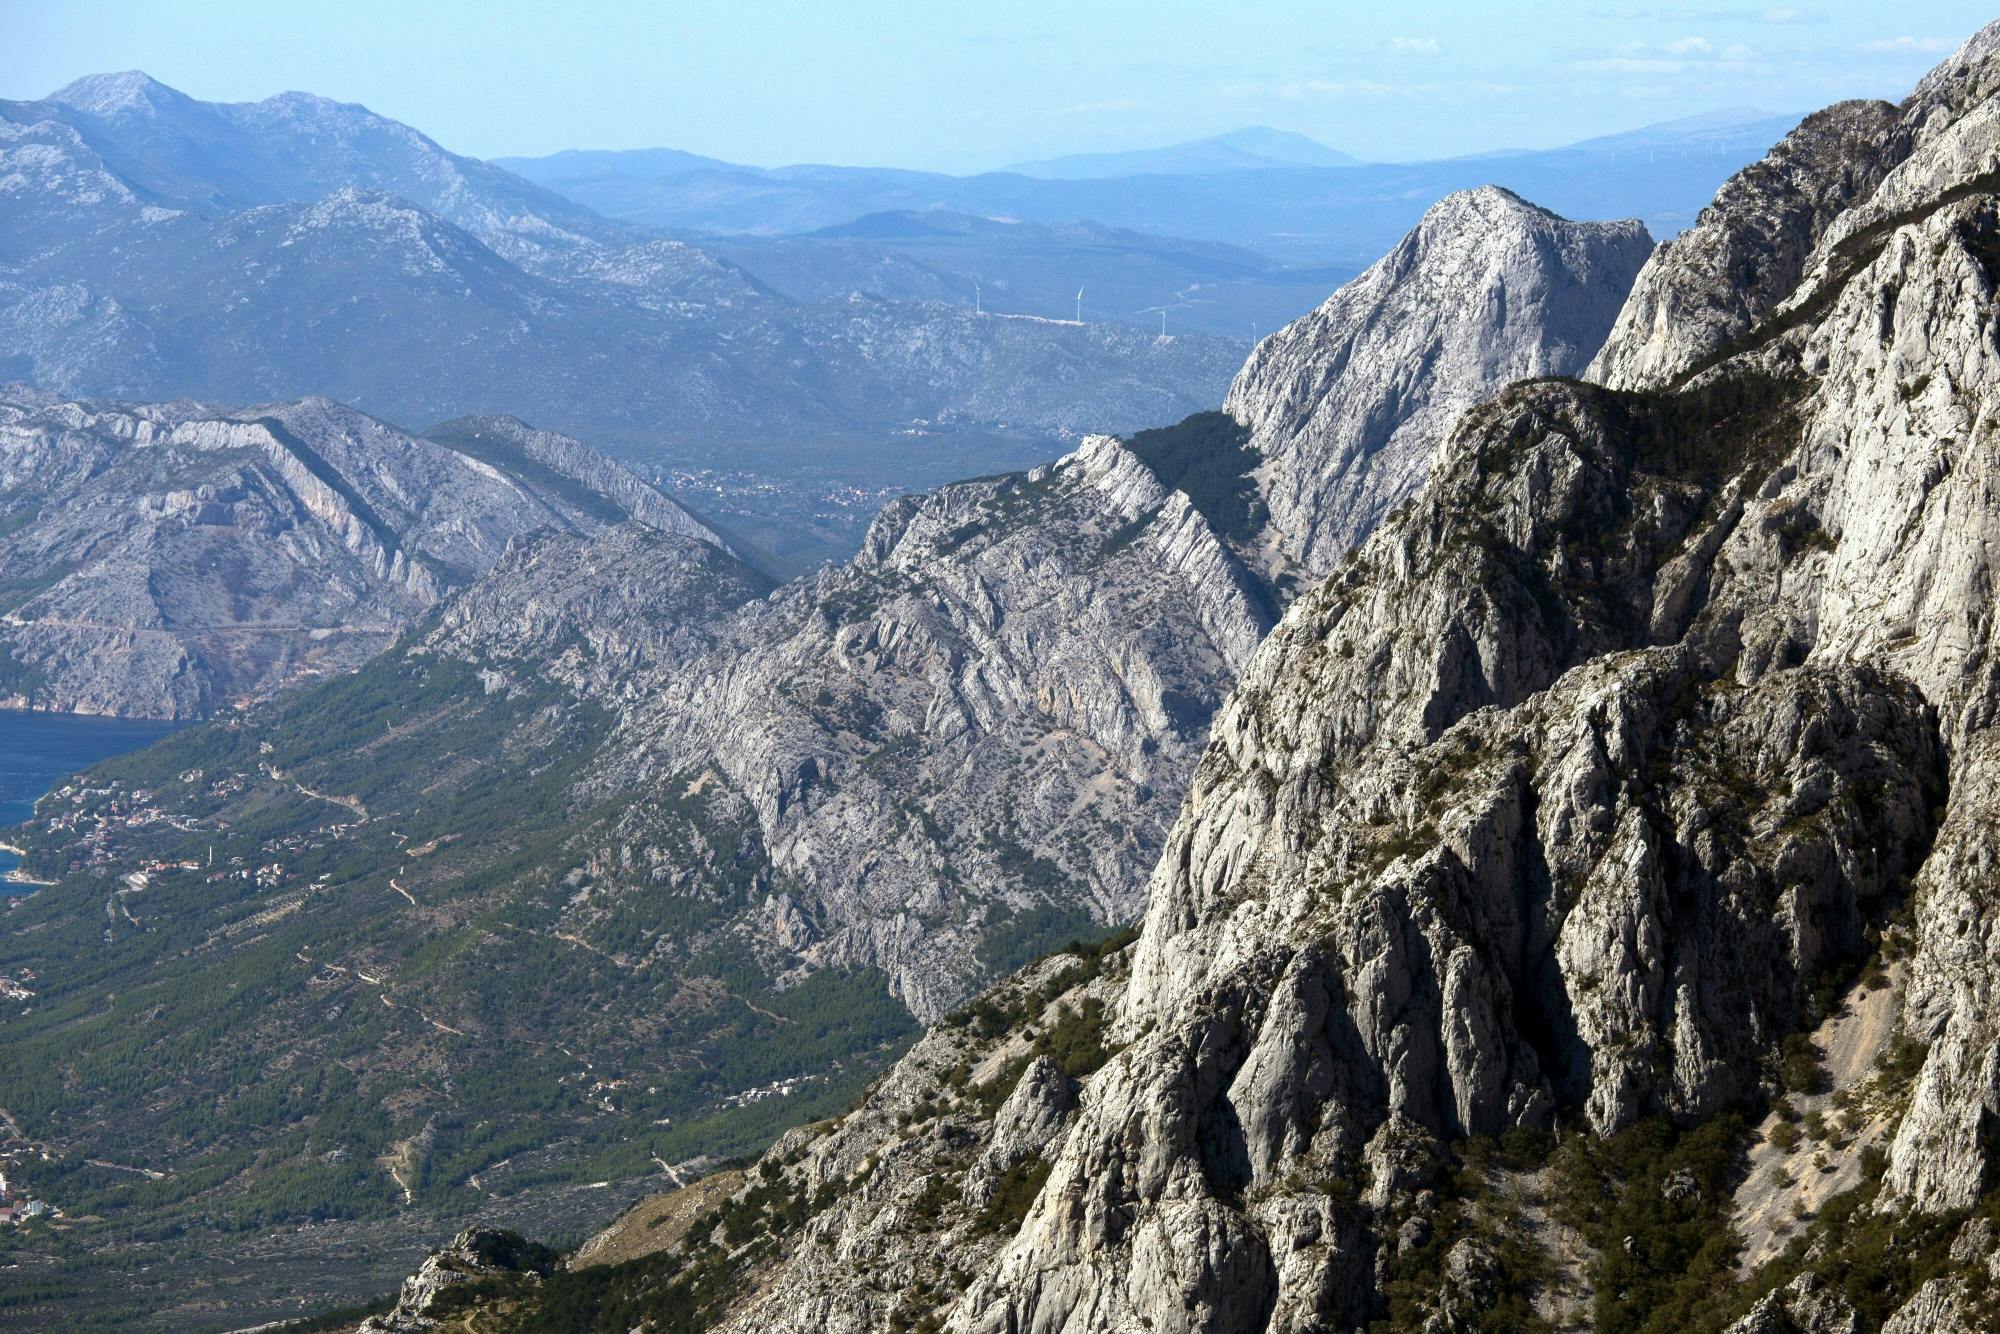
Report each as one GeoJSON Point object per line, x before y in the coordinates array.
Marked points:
{"type": "Point", "coordinates": [14, 875]}
{"type": "Point", "coordinates": [40, 747]}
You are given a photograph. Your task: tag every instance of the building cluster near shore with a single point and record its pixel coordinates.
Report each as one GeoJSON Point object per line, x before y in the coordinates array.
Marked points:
{"type": "Point", "coordinates": [91, 821]}
{"type": "Point", "coordinates": [103, 830]}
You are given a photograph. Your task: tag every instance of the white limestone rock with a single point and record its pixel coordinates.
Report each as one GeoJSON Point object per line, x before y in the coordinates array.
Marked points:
{"type": "Point", "coordinates": [1348, 404]}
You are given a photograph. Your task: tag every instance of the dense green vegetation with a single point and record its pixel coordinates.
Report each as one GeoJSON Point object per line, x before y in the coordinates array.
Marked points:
{"type": "Point", "coordinates": [1654, 1204]}
{"type": "Point", "coordinates": [1075, 1040]}
{"type": "Point", "coordinates": [1032, 934]}
{"type": "Point", "coordinates": [1714, 430]}
{"type": "Point", "coordinates": [416, 1010]}
{"type": "Point", "coordinates": [1207, 457]}
{"type": "Point", "coordinates": [989, 1017]}
{"type": "Point", "coordinates": [1469, 1207]}
{"type": "Point", "coordinates": [661, 1292]}
{"type": "Point", "coordinates": [1013, 1196]}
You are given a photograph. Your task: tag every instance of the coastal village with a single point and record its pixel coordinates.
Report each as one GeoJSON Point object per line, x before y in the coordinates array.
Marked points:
{"type": "Point", "coordinates": [96, 827]}
{"type": "Point", "coordinates": [93, 824]}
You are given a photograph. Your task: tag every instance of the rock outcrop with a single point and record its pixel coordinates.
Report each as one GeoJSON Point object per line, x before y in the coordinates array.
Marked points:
{"type": "Point", "coordinates": [1748, 250]}
{"type": "Point", "coordinates": [429, 1295]}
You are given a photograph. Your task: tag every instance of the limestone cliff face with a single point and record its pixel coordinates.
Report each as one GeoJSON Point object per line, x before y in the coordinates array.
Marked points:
{"type": "Point", "coordinates": [1553, 808]}
{"type": "Point", "coordinates": [986, 714]}
{"type": "Point", "coordinates": [1747, 250]}
{"type": "Point", "coordinates": [170, 561]}
{"type": "Point", "coordinates": [968, 743]}
{"type": "Point", "coordinates": [1000, 697]}
{"type": "Point", "coordinates": [1348, 404]}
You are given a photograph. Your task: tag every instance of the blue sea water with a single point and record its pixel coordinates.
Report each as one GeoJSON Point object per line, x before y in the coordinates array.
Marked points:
{"type": "Point", "coordinates": [39, 750]}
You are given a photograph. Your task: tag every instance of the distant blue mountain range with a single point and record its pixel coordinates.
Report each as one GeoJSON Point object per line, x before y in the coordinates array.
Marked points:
{"type": "Point", "coordinates": [1280, 195]}
{"type": "Point", "coordinates": [1256, 149]}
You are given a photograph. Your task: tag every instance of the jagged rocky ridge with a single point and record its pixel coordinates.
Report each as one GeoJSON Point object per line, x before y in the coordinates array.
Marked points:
{"type": "Point", "coordinates": [1747, 250]}
{"type": "Point", "coordinates": [1572, 800]}
{"type": "Point", "coordinates": [169, 561]}
{"type": "Point", "coordinates": [1039, 652]}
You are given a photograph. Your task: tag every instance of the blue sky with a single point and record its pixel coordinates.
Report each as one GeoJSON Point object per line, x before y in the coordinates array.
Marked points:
{"type": "Point", "coordinates": [957, 87]}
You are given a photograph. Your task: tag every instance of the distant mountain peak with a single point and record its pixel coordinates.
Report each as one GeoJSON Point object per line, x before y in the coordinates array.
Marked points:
{"type": "Point", "coordinates": [1483, 199]}
{"type": "Point", "coordinates": [294, 102]}
{"type": "Point", "coordinates": [390, 220]}
{"type": "Point", "coordinates": [296, 97]}
{"type": "Point", "coordinates": [1473, 212]}
{"type": "Point", "coordinates": [1258, 147]}
{"type": "Point", "coordinates": [1491, 287]}
{"type": "Point", "coordinates": [366, 201]}
{"type": "Point", "coordinates": [1284, 146]}
{"type": "Point", "coordinates": [107, 95]}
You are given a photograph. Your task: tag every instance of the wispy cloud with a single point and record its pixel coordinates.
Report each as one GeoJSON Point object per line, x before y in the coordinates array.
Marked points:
{"type": "Point", "coordinates": [1680, 56]}
{"type": "Point", "coordinates": [1415, 46]}
{"type": "Point", "coordinates": [1328, 90]}
{"type": "Point", "coordinates": [1784, 14]}
{"type": "Point", "coordinates": [1922, 46]}
{"type": "Point", "coordinates": [1092, 108]}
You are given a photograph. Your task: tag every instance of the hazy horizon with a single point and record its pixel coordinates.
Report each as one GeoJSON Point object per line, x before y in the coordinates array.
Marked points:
{"type": "Point", "coordinates": [928, 90]}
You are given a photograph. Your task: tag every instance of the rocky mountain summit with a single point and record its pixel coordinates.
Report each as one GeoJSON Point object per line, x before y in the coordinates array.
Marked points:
{"type": "Point", "coordinates": [169, 561]}
{"type": "Point", "coordinates": [219, 157]}
{"type": "Point", "coordinates": [1617, 819]}
{"type": "Point", "coordinates": [1347, 404]}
